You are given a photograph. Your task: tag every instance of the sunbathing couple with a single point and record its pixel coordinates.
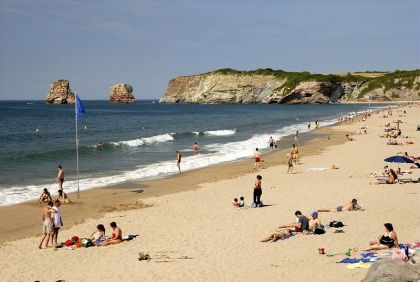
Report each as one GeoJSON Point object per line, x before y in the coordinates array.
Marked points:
{"type": "Point", "coordinates": [302, 224]}
{"type": "Point", "coordinates": [99, 239]}
{"type": "Point", "coordinates": [392, 178]}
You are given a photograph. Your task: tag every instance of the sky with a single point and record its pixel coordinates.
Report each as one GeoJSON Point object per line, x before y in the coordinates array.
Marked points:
{"type": "Point", "coordinates": [98, 43]}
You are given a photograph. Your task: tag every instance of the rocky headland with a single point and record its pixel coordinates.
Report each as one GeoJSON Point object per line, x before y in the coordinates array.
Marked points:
{"type": "Point", "coordinates": [122, 93]}
{"type": "Point", "coordinates": [269, 86]}
{"type": "Point", "coordinates": [60, 93]}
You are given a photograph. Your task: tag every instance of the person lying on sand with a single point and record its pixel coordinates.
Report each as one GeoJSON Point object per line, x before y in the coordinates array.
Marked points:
{"type": "Point", "coordinates": [392, 179]}
{"type": "Point", "coordinates": [98, 236]}
{"type": "Point", "coordinates": [352, 206]}
{"type": "Point", "coordinates": [280, 234]}
{"type": "Point", "coordinates": [116, 236]}
{"type": "Point", "coordinates": [349, 138]}
{"type": "Point", "coordinates": [387, 241]}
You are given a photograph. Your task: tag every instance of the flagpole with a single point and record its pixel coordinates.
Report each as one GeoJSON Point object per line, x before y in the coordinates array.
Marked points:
{"type": "Point", "coordinates": [77, 146]}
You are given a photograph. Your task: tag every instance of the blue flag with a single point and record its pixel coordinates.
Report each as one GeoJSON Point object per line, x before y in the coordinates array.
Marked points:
{"type": "Point", "coordinates": [80, 109]}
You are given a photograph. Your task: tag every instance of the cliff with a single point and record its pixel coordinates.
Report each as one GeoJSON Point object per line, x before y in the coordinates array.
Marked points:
{"type": "Point", "coordinates": [60, 93]}
{"type": "Point", "coordinates": [277, 86]}
{"type": "Point", "coordinates": [122, 93]}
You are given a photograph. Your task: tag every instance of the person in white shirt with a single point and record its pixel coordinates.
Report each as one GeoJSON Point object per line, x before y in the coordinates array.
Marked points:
{"type": "Point", "coordinates": [57, 221]}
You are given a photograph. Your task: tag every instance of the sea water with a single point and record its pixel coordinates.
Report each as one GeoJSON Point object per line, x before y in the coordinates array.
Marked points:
{"type": "Point", "coordinates": [140, 140]}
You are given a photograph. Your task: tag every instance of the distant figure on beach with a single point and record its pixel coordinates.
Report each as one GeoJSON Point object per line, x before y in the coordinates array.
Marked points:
{"type": "Point", "coordinates": [241, 202]}
{"type": "Point", "coordinates": [45, 196]}
{"type": "Point", "coordinates": [294, 153]}
{"type": "Point", "coordinates": [309, 125]}
{"type": "Point", "coordinates": [178, 160]}
{"type": "Point", "coordinates": [283, 231]}
{"type": "Point", "coordinates": [46, 224]}
{"type": "Point", "coordinates": [63, 198]}
{"type": "Point", "coordinates": [349, 138]}
{"type": "Point", "coordinates": [235, 203]}
{"type": "Point", "coordinates": [98, 236]}
{"type": "Point", "coordinates": [56, 221]}
{"type": "Point", "coordinates": [195, 147]}
{"type": "Point", "coordinates": [271, 143]}
{"type": "Point", "coordinates": [392, 179]}
{"type": "Point", "coordinates": [290, 165]}
{"type": "Point", "coordinates": [352, 206]}
{"type": "Point", "coordinates": [387, 241]}
{"type": "Point", "coordinates": [316, 124]}
{"type": "Point", "coordinates": [60, 177]}
{"type": "Point", "coordinates": [99, 145]}
{"type": "Point", "coordinates": [257, 192]}
{"type": "Point", "coordinates": [257, 158]}
{"type": "Point", "coordinates": [116, 235]}
{"type": "Point", "coordinates": [296, 141]}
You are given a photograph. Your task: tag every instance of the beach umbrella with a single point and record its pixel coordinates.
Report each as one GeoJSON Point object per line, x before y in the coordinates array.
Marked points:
{"type": "Point", "coordinates": [399, 160]}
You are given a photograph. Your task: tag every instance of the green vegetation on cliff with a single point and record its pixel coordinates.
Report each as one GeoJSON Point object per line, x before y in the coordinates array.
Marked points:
{"type": "Point", "coordinates": [371, 79]}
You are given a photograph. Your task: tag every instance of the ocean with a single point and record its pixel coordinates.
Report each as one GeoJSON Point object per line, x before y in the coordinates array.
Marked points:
{"type": "Point", "coordinates": [140, 140]}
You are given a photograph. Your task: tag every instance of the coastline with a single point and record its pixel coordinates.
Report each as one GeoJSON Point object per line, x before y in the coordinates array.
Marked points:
{"type": "Point", "coordinates": [96, 202]}
{"type": "Point", "coordinates": [195, 235]}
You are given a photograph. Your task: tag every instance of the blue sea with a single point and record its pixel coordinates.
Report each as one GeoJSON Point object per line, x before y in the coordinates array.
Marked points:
{"type": "Point", "coordinates": [140, 140]}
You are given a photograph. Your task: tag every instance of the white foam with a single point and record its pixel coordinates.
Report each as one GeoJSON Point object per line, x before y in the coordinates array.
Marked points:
{"type": "Point", "coordinates": [225, 132]}
{"type": "Point", "coordinates": [220, 152]}
{"type": "Point", "coordinates": [146, 140]}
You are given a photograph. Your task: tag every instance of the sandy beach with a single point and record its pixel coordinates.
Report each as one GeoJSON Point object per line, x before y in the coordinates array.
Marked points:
{"type": "Point", "coordinates": [188, 226]}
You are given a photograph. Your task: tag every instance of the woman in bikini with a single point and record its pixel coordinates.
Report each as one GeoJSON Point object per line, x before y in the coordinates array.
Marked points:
{"type": "Point", "coordinates": [116, 236]}
{"type": "Point", "coordinates": [387, 241]}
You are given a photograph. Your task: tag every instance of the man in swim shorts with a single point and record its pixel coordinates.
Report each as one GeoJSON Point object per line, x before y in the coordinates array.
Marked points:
{"type": "Point", "coordinates": [60, 177]}
{"type": "Point", "coordinates": [271, 143]}
{"type": "Point", "coordinates": [46, 224]}
{"type": "Point", "coordinates": [302, 224]}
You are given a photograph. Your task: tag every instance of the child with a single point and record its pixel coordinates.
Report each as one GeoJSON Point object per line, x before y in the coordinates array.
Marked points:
{"type": "Point", "coordinates": [241, 202]}
{"type": "Point", "coordinates": [235, 203]}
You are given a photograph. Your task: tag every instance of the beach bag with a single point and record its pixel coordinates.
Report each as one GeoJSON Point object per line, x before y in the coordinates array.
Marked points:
{"type": "Point", "coordinates": [319, 230]}
{"type": "Point", "coordinates": [336, 224]}
{"type": "Point", "coordinates": [399, 254]}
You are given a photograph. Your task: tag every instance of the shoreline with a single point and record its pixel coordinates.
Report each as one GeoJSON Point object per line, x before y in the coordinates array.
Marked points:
{"type": "Point", "coordinates": [96, 202]}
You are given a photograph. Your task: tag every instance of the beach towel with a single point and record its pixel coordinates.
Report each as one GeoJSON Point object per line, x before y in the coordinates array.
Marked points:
{"type": "Point", "coordinates": [358, 265]}
{"type": "Point", "coordinates": [316, 169]}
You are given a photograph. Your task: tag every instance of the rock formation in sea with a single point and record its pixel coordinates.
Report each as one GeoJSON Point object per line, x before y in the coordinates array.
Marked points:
{"type": "Point", "coordinates": [60, 93]}
{"type": "Point", "coordinates": [275, 86]}
{"type": "Point", "coordinates": [122, 93]}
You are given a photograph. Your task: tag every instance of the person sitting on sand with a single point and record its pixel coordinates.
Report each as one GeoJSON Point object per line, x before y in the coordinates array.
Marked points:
{"type": "Point", "coordinates": [98, 236]}
{"type": "Point", "coordinates": [116, 236]}
{"type": "Point", "coordinates": [392, 179]}
{"type": "Point", "coordinates": [235, 203]}
{"type": "Point", "coordinates": [45, 196]}
{"type": "Point", "coordinates": [387, 241]}
{"type": "Point", "coordinates": [63, 198]}
{"type": "Point", "coordinates": [241, 202]}
{"type": "Point", "coordinates": [349, 138]}
{"type": "Point", "coordinates": [314, 222]}
{"type": "Point", "coordinates": [352, 206]}
{"type": "Point", "coordinates": [301, 224]}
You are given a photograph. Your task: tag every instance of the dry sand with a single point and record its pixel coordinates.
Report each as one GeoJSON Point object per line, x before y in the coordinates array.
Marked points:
{"type": "Point", "coordinates": [196, 235]}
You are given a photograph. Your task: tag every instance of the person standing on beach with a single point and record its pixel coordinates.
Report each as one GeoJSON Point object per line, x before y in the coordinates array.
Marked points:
{"type": "Point", "coordinates": [316, 124]}
{"type": "Point", "coordinates": [178, 160]}
{"type": "Point", "coordinates": [257, 158]}
{"type": "Point", "coordinates": [57, 222]}
{"type": "Point", "coordinates": [60, 177]}
{"type": "Point", "coordinates": [46, 224]}
{"type": "Point", "coordinates": [195, 147]}
{"type": "Point", "coordinates": [257, 192]}
{"type": "Point", "coordinates": [271, 143]}
{"type": "Point", "coordinates": [309, 125]}
{"type": "Point", "coordinates": [296, 138]}
{"type": "Point", "coordinates": [295, 153]}
{"type": "Point", "coordinates": [290, 165]}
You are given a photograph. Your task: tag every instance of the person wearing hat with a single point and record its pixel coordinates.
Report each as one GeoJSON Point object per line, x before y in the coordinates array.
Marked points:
{"type": "Point", "coordinates": [314, 222]}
